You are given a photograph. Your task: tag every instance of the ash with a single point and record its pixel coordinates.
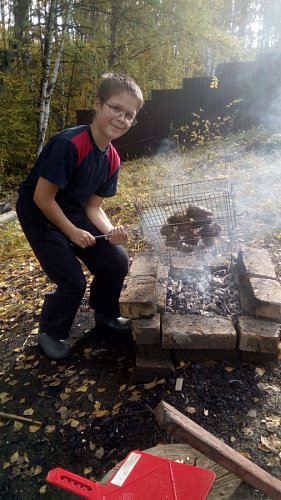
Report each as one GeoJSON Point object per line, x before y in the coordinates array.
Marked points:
{"type": "Point", "coordinates": [204, 293]}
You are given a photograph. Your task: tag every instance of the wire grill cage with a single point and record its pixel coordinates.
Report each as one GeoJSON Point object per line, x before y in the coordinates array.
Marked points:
{"type": "Point", "coordinates": [196, 217]}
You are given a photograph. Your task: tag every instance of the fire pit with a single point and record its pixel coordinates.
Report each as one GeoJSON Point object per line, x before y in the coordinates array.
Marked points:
{"type": "Point", "coordinates": [194, 295]}
{"type": "Point", "coordinates": [192, 218]}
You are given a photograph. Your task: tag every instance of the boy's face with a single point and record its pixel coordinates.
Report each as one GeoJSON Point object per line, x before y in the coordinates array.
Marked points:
{"type": "Point", "coordinates": [115, 116]}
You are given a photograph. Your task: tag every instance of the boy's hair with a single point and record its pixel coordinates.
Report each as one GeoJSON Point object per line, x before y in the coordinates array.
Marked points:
{"type": "Point", "coordinates": [111, 84]}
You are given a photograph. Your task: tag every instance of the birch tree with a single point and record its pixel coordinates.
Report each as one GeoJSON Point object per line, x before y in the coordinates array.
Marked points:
{"type": "Point", "coordinates": [50, 75]}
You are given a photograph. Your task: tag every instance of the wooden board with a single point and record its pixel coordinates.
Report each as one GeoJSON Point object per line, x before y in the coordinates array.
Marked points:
{"type": "Point", "coordinates": [226, 486]}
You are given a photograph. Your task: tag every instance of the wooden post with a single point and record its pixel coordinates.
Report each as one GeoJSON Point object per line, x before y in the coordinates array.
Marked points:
{"type": "Point", "coordinates": [188, 431]}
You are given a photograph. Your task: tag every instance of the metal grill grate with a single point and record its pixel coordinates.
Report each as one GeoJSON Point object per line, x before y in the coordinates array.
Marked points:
{"type": "Point", "coordinates": [167, 226]}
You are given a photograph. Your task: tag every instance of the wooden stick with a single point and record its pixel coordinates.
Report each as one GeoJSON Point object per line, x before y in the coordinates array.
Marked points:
{"type": "Point", "coordinates": [19, 418]}
{"type": "Point", "coordinates": [179, 425]}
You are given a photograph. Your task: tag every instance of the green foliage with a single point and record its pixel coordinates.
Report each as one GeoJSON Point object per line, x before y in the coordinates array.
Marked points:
{"type": "Point", "coordinates": [202, 129]}
{"type": "Point", "coordinates": [158, 42]}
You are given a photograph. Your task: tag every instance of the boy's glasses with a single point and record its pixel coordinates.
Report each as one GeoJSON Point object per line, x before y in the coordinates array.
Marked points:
{"type": "Point", "coordinates": [119, 113]}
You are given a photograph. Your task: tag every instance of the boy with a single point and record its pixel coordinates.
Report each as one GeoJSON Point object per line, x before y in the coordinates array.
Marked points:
{"type": "Point", "coordinates": [60, 210]}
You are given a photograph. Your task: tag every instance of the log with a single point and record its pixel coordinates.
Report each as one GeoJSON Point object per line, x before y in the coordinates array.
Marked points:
{"type": "Point", "coordinates": [179, 425]}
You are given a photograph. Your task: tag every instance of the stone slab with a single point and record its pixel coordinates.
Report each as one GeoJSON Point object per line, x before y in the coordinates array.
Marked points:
{"type": "Point", "coordinates": [144, 264]}
{"type": "Point", "coordinates": [185, 266]}
{"type": "Point", "coordinates": [138, 297]}
{"type": "Point", "coordinates": [258, 335]}
{"type": "Point", "coordinates": [267, 294]}
{"type": "Point", "coordinates": [161, 287]}
{"type": "Point", "coordinates": [149, 370]}
{"type": "Point", "coordinates": [147, 330]}
{"type": "Point", "coordinates": [197, 332]}
{"type": "Point", "coordinates": [256, 262]}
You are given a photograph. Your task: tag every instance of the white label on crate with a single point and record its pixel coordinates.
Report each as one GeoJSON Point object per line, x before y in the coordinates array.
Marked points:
{"type": "Point", "coordinates": [127, 467]}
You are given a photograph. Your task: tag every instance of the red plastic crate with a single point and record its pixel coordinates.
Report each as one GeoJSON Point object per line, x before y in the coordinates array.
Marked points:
{"type": "Point", "coordinates": [141, 476]}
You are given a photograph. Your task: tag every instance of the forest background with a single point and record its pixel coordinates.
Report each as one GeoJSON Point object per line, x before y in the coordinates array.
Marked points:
{"type": "Point", "coordinates": [53, 52]}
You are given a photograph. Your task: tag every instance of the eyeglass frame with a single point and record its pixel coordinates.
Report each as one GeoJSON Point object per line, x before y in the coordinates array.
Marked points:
{"type": "Point", "coordinates": [120, 114]}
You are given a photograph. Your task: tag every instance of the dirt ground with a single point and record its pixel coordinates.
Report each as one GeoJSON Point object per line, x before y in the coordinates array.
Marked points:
{"type": "Point", "coordinates": [87, 413]}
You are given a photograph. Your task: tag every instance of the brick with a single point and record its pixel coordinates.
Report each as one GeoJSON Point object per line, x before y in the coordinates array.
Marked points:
{"type": "Point", "coordinates": [203, 354]}
{"type": "Point", "coordinates": [161, 287]}
{"type": "Point", "coordinates": [153, 352]}
{"type": "Point", "coordinates": [196, 332]}
{"type": "Point", "coordinates": [147, 370]}
{"type": "Point", "coordinates": [267, 295]}
{"type": "Point", "coordinates": [147, 330]}
{"type": "Point", "coordinates": [144, 264]}
{"type": "Point", "coordinates": [138, 297]}
{"type": "Point", "coordinates": [256, 262]}
{"type": "Point", "coordinates": [258, 335]}
{"type": "Point", "coordinates": [185, 266]}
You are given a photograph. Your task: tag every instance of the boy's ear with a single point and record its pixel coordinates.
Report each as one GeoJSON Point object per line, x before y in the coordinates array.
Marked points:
{"type": "Point", "coordinates": [97, 104]}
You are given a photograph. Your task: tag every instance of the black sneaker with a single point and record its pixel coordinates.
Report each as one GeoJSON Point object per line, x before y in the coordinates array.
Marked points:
{"type": "Point", "coordinates": [54, 349]}
{"type": "Point", "coordinates": [118, 325]}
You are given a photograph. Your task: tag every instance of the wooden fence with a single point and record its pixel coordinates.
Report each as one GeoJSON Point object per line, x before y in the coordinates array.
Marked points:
{"type": "Point", "coordinates": [239, 96]}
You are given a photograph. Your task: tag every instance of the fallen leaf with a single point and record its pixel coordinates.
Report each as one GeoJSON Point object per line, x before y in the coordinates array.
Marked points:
{"type": "Point", "coordinates": [274, 462]}
{"type": "Point", "coordinates": [49, 429]}
{"type": "Point", "coordinates": [229, 369]}
{"type": "Point", "coordinates": [135, 397]}
{"type": "Point", "coordinates": [87, 470]}
{"type": "Point", "coordinates": [190, 409]}
{"type": "Point", "coordinates": [92, 446]}
{"type": "Point", "coordinates": [117, 405]}
{"type": "Point", "coordinates": [260, 371]}
{"type": "Point", "coordinates": [43, 489]}
{"type": "Point", "coordinates": [28, 411]}
{"type": "Point", "coordinates": [14, 457]}
{"type": "Point", "coordinates": [18, 426]}
{"type": "Point", "coordinates": [101, 390]}
{"type": "Point", "coordinates": [99, 452]}
{"type": "Point", "coordinates": [122, 387]}
{"type": "Point", "coordinates": [245, 454]}
{"type": "Point", "coordinates": [101, 413]}
{"type": "Point", "coordinates": [74, 423]}
{"type": "Point", "coordinates": [82, 388]}
{"type": "Point", "coordinates": [34, 428]}
{"type": "Point", "coordinates": [38, 469]}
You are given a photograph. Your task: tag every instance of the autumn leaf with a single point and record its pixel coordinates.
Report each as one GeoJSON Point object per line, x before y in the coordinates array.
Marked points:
{"type": "Point", "coordinates": [49, 429]}
{"type": "Point", "coordinates": [190, 409]}
{"type": "Point", "coordinates": [101, 390]}
{"type": "Point", "coordinates": [14, 457]}
{"type": "Point", "coordinates": [18, 426]}
{"type": "Point", "coordinates": [74, 423]}
{"type": "Point", "coordinates": [43, 489]}
{"type": "Point", "coordinates": [28, 412]}
{"type": "Point", "coordinates": [101, 413]}
{"type": "Point", "coordinates": [82, 388]}
{"type": "Point", "coordinates": [122, 387]}
{"type": "Point", "coordinates": [34, 428]}
{"type": "Point", "coordinates": [87, 470]}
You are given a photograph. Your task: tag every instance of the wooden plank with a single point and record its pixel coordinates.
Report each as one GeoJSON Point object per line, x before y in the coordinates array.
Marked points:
{"type": "Point", "coordinates": [181, 426]}
{"type": "Point", "coordinates": [226, 485]}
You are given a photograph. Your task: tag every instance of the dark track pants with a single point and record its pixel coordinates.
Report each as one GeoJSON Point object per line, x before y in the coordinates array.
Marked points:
{"type": "Point", "coordinates": [60, 261]}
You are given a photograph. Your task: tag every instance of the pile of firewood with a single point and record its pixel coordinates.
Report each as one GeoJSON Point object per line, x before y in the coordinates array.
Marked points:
{"type": "Point", "coordinates": [190, 228]}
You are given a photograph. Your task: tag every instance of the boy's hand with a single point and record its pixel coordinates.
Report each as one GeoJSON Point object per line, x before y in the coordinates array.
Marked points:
{"type": "Point", "coordinates": [118, 236]}
{"type": "Point", "coordinates": [82, 238]}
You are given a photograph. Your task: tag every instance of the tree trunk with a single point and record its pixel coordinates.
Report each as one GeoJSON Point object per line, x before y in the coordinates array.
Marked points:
{"type": "Point", "coordinates": [50, 78]}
